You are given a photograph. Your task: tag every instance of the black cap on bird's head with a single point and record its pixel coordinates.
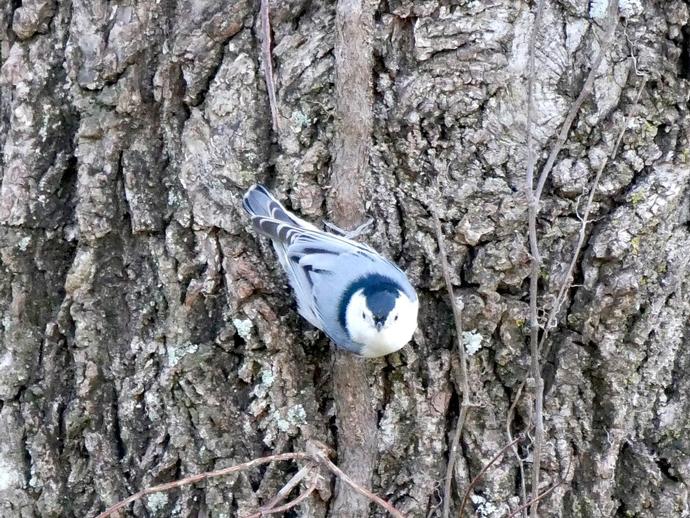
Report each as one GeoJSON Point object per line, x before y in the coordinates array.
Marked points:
{"type": "Point", "coordinates": [381, 301]}
{"type": "Point", "coordinates": [380, 294]}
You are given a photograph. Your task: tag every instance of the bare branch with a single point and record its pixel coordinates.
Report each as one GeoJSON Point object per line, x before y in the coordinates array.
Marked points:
{"type": "Point", "coordinates": [321, 457]}
{"type": "Point", "coordinates": [534, 198]}
{"type": "Point", "coordinates": [318, 453]}
{"type": "Point", "coordinates": [464, 407]}
{"type": "Point", "coordinates": [452, 457]}
{"type": "Point", "coordinates": [288, 487]}
{"type": "Point", "coordinates": [567, 280]}
{"type": "Point", "coordinates": [524, 506]}
{"type": "Point", "coordinates": [534, 500]}
{"type": "Point", "coordinates": [272, 509]}
{"type": "Point", "coordinates": [521, 464]}
{"type": "Point", "coordinates": [529, 176]}
{"type": "Point", "coordinates": [586, 90]}
{"type": "Point", "coordinates": [203, 476]}
{"type": "Point", "coordinates": [486, 468]}
{"type": "Point", "coordinates": [268, 63]}
{"type": "Point", "coordinates": [533, 206]}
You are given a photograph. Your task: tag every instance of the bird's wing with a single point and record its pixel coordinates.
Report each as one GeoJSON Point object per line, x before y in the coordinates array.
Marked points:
{"type": "Point", "coordinates": [270, 218]}
{"type": "Point", "coordinates": [318, 250]}
{"type": "Point", "coordinates": [321, 266]}
{"type": "Point", "coordinates": [314, 257]}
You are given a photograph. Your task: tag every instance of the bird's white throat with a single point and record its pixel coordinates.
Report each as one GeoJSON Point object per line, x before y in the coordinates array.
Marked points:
{"type": "Point", "coordinates": [395, 333]}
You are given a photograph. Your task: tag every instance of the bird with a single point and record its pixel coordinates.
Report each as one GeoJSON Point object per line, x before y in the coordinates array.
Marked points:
{"type": "Point", "coordinates": [361, 300]}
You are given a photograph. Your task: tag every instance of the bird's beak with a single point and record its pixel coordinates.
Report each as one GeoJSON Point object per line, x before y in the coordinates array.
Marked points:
{"type": "Point", "coordinates": [379, 325]}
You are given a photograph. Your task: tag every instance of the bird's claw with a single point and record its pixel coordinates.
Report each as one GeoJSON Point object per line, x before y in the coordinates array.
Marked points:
{"type": "Point", "coordinates": [349, 234]}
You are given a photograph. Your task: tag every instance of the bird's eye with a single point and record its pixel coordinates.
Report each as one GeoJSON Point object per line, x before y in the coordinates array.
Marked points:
{"type": "Point", "coordinates": [396, 317]}
{"type": "Point", "coordinates": [364, 316]}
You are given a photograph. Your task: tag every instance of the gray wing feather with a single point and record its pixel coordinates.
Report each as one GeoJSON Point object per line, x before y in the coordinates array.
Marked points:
{"type": "Point", "coordinates": [271, 219]}
{"type": "Point", "coordinates": [321, 247]}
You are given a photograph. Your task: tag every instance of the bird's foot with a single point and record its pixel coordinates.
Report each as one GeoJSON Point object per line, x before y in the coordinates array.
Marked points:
{"type": "Point", "coordinates": [349, 234]}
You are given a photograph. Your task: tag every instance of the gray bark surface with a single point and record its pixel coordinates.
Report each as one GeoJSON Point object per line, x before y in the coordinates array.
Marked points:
{"type": "Point", "coordinates": [146, 334]}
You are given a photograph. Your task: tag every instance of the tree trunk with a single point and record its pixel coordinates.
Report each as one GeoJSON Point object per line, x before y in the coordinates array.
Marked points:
{"type": "Point", "coordinates": [147, 334]}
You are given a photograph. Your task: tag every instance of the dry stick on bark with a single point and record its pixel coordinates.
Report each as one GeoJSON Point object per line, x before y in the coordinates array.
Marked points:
{"type": "Point", "coordinates": [285, 507]}
{"type": "Point", "coordinates": [543, 494]}
{"type": "Point", "coordinates": [268, 63]}
{"type": "Point", "coordinates": [289, 505]}
{"type": "Point", "coordinates": [486, 468]}
{"type": "Point", "coordinates": [465, 405]}
{"type": "Point", "coordinates": [288, 487]}
{"type": "Point", "coordinates": [324, 460]}
{"type": "Point", "coordinates": [567, 280]}
{"type": "Point", "coordinates": [535, 264]}
{"type": "Point", "coordinates": [516, 452]}
{"type": "Point", "coordinates": [534, 198]}
{"type": "Point", "coordinates": [316, 454]}
{"type": "Point", "coordinates": [203, 476]}
{"type": "Point", "coordinates": [354, 400]}
{"type": "Point", "coordinates": [535, 500]}
{"type": "Point", "coordinates": [612, 17]}
{"type": "Point", "coordinates": [529, 177]}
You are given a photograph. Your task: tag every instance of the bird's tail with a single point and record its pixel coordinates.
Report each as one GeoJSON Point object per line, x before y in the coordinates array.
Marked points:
{"type": "Point", "coordinates": [269, 217]}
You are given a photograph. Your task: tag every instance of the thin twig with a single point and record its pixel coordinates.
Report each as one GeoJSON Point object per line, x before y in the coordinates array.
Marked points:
{"type": "Point", "coordinates": [535, 499]}
{"type": "Point", "coordinates": [317, 453]}
{"type": "Point", "coordinates": [586, 90]}
{"type": "Point", "coordinates": [532, 201]}
{"type": "Point", "coordinates": [272, 509]}
{"type": "Point", "coordinates": [203, 476]}
{"type": "Point", "coordinates": [439, 501]}
{"type": "Point", "coordinates": [452, 456]}
{"type": "Point", "coordinates": [292, 503]}
{"type": "Point", "coordinates": [268, 63]}
{"type": "Point", "coordinates": [535, 263]}
{"type": "Point", "coordinates": [321, 457]}
{"type": "Point", "coordinates": [544, 494]}
{"type": "Point", "coordinates": [534, 198]}
{"type": "Point", "coordinates": [521, 464]}
{"type": "Point", "coordinates": [486, 468]}
{"type": "Point", "coordinates": [585, 219]}
{"type": "Point", "coordinates": [288, 487]}
{"type": "Point", "coordinates": [465, 405]}
{"type": "Point", "coordinates": [566, 284]}
{"type": "Point", "coordinates": [567, 280]}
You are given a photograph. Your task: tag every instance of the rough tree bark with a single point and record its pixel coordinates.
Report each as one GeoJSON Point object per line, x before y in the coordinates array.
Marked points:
{"type": "Point", "coordinates": [147, 335]}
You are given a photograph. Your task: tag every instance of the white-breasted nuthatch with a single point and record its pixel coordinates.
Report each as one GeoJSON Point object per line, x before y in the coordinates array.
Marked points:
{"type": "Point", "coordinates": [361, 300]}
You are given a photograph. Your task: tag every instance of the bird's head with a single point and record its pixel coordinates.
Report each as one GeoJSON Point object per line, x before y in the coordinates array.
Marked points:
{"type": "Point", "coordinates": [381, 317]}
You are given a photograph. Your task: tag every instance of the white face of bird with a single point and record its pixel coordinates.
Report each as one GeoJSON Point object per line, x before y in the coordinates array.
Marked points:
{"type": "Point", "coordinates": [384, 331]}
